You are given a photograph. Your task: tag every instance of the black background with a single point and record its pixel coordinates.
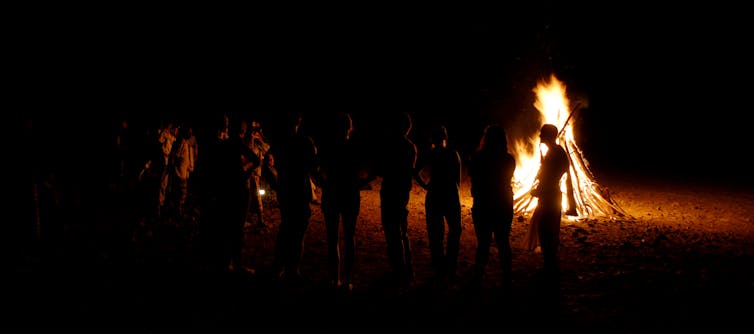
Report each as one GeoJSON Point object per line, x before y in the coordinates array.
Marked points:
{"type": "Point", "coordinates": [665, 88]}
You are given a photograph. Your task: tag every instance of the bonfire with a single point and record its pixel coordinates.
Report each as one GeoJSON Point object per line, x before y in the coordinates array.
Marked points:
{"type": "Point", "coordinates": [583, 197]}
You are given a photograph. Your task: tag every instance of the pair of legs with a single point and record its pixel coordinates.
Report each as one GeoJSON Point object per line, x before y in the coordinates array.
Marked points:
{"type": "Point", "coordinates": [289, 245]}
{"type": "Point", "coordinates": [255, 199]}
{"type": "Point", "coordinates": [223, 232]}
{"type": "Point", "coordinates": [549, 212]}
{"type": "Point", "coordinates": [442, 210]}
{"type": "Point", "coordinates": [395, 226]}
{"type": "Point", "coordinates": [340, 211]}
{"type": "Point", "coordinates": [493, 223]}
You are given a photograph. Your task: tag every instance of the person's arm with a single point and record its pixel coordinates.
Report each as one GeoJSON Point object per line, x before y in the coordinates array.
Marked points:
{"type": "Point", "coordinates": [269, 172]}
{"type": "Point", "coordinates": [421, 162]}
{"type": "Point", "coordinates": [457, 173]}
{"type": "Point", "coordinates": [370, 168]}
{"type": "Point", "coordinates": [314, 168]}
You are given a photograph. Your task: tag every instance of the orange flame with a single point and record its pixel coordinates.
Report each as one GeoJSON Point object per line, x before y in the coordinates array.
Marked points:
{"type": "Point", "coordinates": [585, 197]}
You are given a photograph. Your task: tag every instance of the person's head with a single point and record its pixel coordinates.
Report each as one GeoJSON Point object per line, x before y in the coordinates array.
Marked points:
{"type": "Point", "coordinates": [237, 128]}
{"type": "Point", "coordinates": [548, 133]}
{"type": "Point", "coordinates": [269, 158]}
{"type": "Point", "coordinates": [295, 119]}
{"type": "Point", "coordinates": [404, 123]}
{"type": "Point", "coordinates": [344, 125]}
{"type": "Point", "coordinates": [494, 138]}
{"type": "Point", "coordinates": [184, 132]}
{"type": "Point", "coordinates": [243, 128]}
{"type": "Point", "coordinates": [226, 120]}
{"type": "Point", "coordinates": [221, 122]}
{"type": "Point", "coordinates": [439, 136]}
{"type": "Point", "coordinates": [172, 128]}
{"type": "Point", "coordinates": [255, 126]}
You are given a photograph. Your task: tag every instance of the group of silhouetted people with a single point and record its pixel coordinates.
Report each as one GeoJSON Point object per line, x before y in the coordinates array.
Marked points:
{"type": "Point", "coordinates": [235, 159]}
{"type": "Point", "coordinates": [339, 166]}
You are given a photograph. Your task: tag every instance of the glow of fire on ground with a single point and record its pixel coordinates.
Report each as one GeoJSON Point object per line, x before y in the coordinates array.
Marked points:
{"type": "Point", "coordinates": [582, 196]}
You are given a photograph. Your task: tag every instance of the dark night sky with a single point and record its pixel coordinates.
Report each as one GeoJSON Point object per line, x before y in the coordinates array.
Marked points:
{"type": "Point", "coordinates": [666, 88]}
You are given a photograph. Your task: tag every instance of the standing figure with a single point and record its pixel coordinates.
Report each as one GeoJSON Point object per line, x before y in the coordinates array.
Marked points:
{"type": "Point", "coordinates": [549, 209]}
{"type": "Point", "coordinates": [194, 149]}
{"type": "Point", "coordinates": [167, 136]}
{"type": "Point", "coordinates": [295, 163]}
{"type": "Point", "coordinates": [259, 147]}
{"type": "Point", "coordinates": [224, 201]}
{"type": "Point", "coordinates": [183, 165]}
{"type": "Point", "coordinates": [340, 173]}
{"type": "Point", "coordinates": [491, 170]}
{"type": "Point", "coordinates": [442, 203]}
{"type": "Point", "coordinates": [397, 167]}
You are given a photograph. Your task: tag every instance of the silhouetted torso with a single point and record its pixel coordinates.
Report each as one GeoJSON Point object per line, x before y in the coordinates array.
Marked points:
{"type": "Point", "coordinates": [491, 174]}
{"type": "Point", "coordinates": [397, 168]}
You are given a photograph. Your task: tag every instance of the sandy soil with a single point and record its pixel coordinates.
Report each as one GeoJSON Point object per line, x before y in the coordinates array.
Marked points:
{"type": "Point", "coordinates": [683, 260]}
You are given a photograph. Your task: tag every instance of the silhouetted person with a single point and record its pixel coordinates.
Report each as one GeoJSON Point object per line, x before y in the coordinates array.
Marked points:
{"type": "Point", "coordinates": [295, 163]}
{"type": "Point", "coordinates": [149, 181]}
{"type": "Point", "coordinates": [491, 170]}
{"type": "Point", "coordinates": [257, 142]}
{"type": "Point", "coordinates": [194, 148]}
{"type": "Point", "coordinates": [167, 137]}
{"type": "Point", "coordinates": [442, 203]}
{"type": "Point", "coordinates": [224, 199]}
{"type": "Point", "coordinates": [549, 208]}
{"type": "Point", "coordinates": [182, 166]}
{"type": "Point", "coordinates": [396, 165]}
{"type": "Point", "coordinates": [341, 179]}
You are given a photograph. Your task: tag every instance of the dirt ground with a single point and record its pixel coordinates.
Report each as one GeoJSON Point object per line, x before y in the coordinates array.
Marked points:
{"type": "Point", "coordinates": [683, 260]}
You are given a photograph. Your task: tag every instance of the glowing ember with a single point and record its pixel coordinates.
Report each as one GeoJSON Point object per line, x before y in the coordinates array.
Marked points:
{"type": "Point", "coordinates": [582, 196]}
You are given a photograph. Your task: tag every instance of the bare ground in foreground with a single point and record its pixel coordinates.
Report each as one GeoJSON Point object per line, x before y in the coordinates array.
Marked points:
{"type": "Point", "coordinates": [684, 260]}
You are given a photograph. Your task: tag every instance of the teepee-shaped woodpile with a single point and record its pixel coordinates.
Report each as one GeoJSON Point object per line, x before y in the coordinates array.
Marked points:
{"type": "Point", "coordinates": [583, 197]}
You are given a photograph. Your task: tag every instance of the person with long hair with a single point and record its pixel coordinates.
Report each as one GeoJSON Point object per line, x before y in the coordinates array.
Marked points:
{"type": "Point", "coordinates": [491, 169]}
{"type": "Point", "coordinates": [442, 203]}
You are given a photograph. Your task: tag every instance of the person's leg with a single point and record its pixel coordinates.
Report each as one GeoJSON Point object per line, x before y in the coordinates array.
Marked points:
{"type": "Point", "coordinates": [483, 233]}
{"type": "Point", "coordinates": [350, 218]}
{"type": "Point", "coordinates": [182, 194]}
{"type": "Point", "coordinates": [453, 219]}
{"type": "Point", "coordinates": [550, 238]}
{"type": "Point", "coordinates": [435, 235]}
{"type": "Point", "coordinates": [283, 240]}
{"type": "Point", "coordinates": [299, 227]}
{"type": "Point", "coordinates": [549, 235]}
{"type": "Point", "coordinates": [502, 230]}
{"type": "Point", "coordinates": [391, 230]}
{"type": "Point", "coordinates": [405, 243]}
{"type": "Point", "coordinates": [238, 220]}
{"type": "Point", "coordinates": [163, 190]}
{"type": "Point", "coordinates": [332, 226]}
{"type": "Point", "coordinates": [255, 201]}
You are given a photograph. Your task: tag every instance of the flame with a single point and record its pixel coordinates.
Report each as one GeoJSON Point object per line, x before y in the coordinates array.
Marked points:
{"type": "Point", "coordinates": [582, 196]}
